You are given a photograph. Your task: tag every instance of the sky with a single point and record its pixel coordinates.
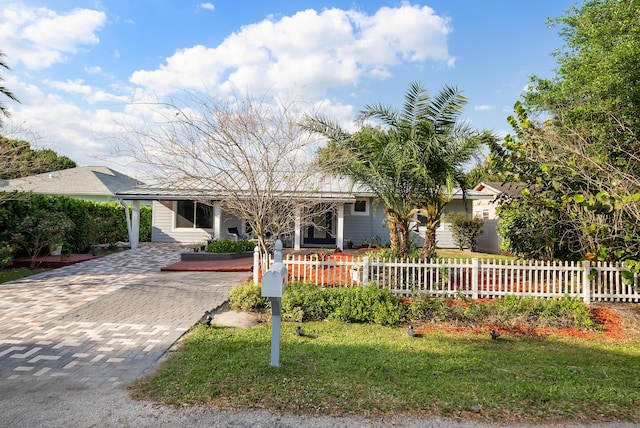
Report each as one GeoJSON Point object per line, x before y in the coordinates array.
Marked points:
{"type": "Point", "coordinates": [76, 66]}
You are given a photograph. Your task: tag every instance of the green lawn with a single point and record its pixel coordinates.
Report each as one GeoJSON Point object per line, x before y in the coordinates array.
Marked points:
{"type": "Point", "coordinates": [372, 370]}
{"type": "Point", "coordinates": [9, 274]}
{"type": "Point", "coordinates": [458, 254]}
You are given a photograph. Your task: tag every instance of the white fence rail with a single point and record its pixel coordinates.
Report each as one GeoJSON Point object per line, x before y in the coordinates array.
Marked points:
{"type": "Point", "coordinates": [476, 278]}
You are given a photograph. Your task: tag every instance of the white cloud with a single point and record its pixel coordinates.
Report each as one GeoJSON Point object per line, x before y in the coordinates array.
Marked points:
{"type": "Point", "coordinates": [309, 50]}
{"type": "Point", "coordinates": [75, 86]}
{"type": "Point", "coordinates": [93, 70]}
{"type": "Point", "coordinates": [40, 37]}
{"type": "Point", "coordinates": [483, 107]}
{"type": "Point", "coordinates": [206, 6]}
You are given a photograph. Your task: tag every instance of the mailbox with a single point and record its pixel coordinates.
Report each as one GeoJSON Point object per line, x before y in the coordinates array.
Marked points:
{"type": "Point", "coordinates": [274, 281]}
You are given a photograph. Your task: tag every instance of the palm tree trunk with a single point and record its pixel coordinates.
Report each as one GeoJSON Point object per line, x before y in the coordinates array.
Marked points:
{"type": "Point", "coordinates": [429, 247]}
{"type": "Point", "coordinates": [393, 231]}
{"type": "Point", "coordinates": [403, 250]}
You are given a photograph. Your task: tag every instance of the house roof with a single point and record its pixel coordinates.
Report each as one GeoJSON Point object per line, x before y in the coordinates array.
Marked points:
{"type": "Point", "coordinates": [86, 180]}
{"type": "Point", "coordinates": [513, 190]}
{"type": "Point", "coordinates": [316, 186]}
{"type": "Point", "coordinates": [335, 189]}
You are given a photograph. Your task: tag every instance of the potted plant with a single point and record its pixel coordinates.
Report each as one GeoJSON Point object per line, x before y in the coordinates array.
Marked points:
{"type": "Point", "coordinates": [41, 229]}
{"type": "Point", "coordinates": [57, 226]}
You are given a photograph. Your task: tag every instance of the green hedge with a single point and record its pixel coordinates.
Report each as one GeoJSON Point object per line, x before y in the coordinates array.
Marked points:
{"type": "Point", "coordinates": [304, 301]}
{"type": "Point", "coordinates": [230, 246]}
{"type": "Point", "coordinates": [93, 222]}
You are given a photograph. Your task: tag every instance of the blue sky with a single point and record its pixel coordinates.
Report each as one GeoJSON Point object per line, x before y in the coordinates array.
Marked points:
{"type": "Point", "coordinates": [76, 64]}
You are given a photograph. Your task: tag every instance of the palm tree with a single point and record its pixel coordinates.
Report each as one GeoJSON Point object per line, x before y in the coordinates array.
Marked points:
{"type": "Point", "coordinates": [439, 144]}
{"type": "Point", "coordinates": [3, 90]}
{"type": "Point", "coordinates": [411, 161]}
{"type": "Point", "coordinates": [375, 158]}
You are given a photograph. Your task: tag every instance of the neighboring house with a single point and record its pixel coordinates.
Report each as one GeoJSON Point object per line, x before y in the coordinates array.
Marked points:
{"type": "Point", "coordinates": [357, 218]}
{"type": "Point", "coordinates": [93, 183]}
{"type": "Point", "coordinates": [485, 208]}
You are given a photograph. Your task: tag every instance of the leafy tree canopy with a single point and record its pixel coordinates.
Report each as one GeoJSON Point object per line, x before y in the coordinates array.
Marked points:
{"type": "Point", "coordinates": [18, 159]}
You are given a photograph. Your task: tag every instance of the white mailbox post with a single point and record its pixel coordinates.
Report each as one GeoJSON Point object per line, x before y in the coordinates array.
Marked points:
{"type": "Point", "coordinates": [274, 282]}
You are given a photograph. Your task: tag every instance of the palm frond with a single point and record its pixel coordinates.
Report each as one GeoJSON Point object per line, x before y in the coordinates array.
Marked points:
{"type": "Point", "coordinates": [324, 126]}
{"type": "Point", "coordinates": [446, 107]}
{"type": "Point", "coordinates": [385, 114]}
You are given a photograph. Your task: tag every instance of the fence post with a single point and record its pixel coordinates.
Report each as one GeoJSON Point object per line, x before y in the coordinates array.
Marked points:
{"type": "Point", "coordinates": [586, 281]}
{"type": "Point", "coordinates": [365, 271]}
{"type": "Point", "coordinates": [256, 264]}
{"type": "Point", "coordinates": [475, 272]}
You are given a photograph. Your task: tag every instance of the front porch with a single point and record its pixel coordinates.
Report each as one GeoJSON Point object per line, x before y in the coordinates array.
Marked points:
{"type": "Point", "coordinates": [175, 221]}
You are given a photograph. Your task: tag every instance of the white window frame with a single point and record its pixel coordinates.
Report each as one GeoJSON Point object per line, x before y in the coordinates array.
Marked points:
{"type": "Point", "coordinates": [366, 208]}
{"type": "Point", "coordinates": [194, 227]}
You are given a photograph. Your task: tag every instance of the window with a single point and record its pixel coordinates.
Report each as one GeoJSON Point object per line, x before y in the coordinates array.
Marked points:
{"type": "Point", "coordinates": [194, 215]}
{"type": "Point", "coordinates": [485, 214]}
{"type": "Point", "coordinates": [360, 208]}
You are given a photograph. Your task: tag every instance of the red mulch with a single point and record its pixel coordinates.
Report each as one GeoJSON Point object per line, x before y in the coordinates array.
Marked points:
{"type": "Point", "coordinates": [611, 322]}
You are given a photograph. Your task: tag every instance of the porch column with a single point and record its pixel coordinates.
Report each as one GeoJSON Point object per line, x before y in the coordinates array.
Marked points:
{"type": "Point", "coordinates": [217, 216]}
{"type": "Point", "coordinates": [134, 239]}
{"type": "Point", "coordinates": [340, 227]}
{"type": "Point", "coordinates": [298, 231]}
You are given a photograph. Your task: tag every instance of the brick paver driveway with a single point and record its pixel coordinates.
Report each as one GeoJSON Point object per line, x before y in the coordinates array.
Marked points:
{"type": "Point", "coordinates": [105, 321]}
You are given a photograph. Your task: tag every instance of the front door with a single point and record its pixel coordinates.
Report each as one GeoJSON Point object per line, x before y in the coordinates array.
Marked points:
{"type": "Point", "coordinates": [322, 231]}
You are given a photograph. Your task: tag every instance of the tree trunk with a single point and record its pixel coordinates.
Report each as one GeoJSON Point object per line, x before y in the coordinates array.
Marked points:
{"type": "Point", "coordinates": [429, 247]}
{"type": "Point", "coordinates": [393, 233]}
{"type": "Point", "coordinates": [403, 250]}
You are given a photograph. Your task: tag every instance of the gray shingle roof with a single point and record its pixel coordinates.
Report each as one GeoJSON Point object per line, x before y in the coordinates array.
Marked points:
{"type": "Point", "coordinates": [86, 180]}
{"type": "Point", "coordinates": [513, 190]}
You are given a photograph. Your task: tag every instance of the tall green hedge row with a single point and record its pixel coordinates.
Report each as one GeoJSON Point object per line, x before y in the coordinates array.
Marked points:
{"type": "Point", "coordinates": [93, 222]}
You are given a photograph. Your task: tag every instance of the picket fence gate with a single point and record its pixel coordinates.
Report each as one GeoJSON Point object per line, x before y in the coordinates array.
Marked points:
{"type": "Point", "coordinates": [474, 278]}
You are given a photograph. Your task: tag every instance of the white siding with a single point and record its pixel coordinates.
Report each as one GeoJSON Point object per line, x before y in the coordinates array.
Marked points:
{"type": "Point", "coordinates": [164, 230]}
{"type": "Point", "coordinates": [360, 228]}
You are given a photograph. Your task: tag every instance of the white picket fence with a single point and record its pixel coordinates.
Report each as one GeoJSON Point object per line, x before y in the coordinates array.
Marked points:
{"type": "Point", "coordinates": [475, 278]}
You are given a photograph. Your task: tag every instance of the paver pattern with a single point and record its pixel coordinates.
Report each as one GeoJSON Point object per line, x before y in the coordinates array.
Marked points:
{"type": "Point", "coordinates": [104, 321]}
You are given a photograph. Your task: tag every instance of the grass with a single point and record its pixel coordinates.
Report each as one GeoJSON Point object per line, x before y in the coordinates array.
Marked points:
{"type": "Point", "coordinates": [459, 254]}
{"type": "Point", "coordinates": [372, 370]}
{"type": "Point", "coordinates": [10, 274]}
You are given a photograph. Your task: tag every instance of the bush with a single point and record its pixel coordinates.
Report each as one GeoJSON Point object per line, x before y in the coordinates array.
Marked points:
{"type": "Point", "coordinates": [95, 223]}
{"type": "Point", "coordinates": [465, 230]}
{"type": "Point", "coordinates": [370, 304]}
{"type": "Point", "coordinates": [428, 308]}
{"type": "Point", "coordinates": [230, 246]}
{"type": "Point", "coordinates": [305, 302]}
{"type": "Point", "coordinates": [6, 255]}
{"type": "Point", "coordinates": [247, 297]}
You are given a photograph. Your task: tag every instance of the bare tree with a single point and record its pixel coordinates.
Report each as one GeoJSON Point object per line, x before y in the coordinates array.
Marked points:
{"type": "Point", "coordinates": [250, 151]}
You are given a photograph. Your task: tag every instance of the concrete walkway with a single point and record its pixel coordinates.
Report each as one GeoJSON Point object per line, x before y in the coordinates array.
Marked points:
{"type": "Point", "coordinates": [104, 321]}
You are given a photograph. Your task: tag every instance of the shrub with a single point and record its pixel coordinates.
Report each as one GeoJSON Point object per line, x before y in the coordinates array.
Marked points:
{"type": "Point", "coordinates": [370, 304]}
{"type": "Point", "coordinates": [95, 223]}
{"type": "Point", "coordinates": [230, 246]}
{"type": "Point", "coordinates": [305, 302]}
{"type": "Point", "coordinates": [247, 297]}
{"type": "Point", "coordinates": [465, 230]}
{"type": "Point", "coordinates": [41, 229]}
{"type": "Point", "coordinates": [6, 255]}
{"type": "Point", "coordinates": [428, 308]}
